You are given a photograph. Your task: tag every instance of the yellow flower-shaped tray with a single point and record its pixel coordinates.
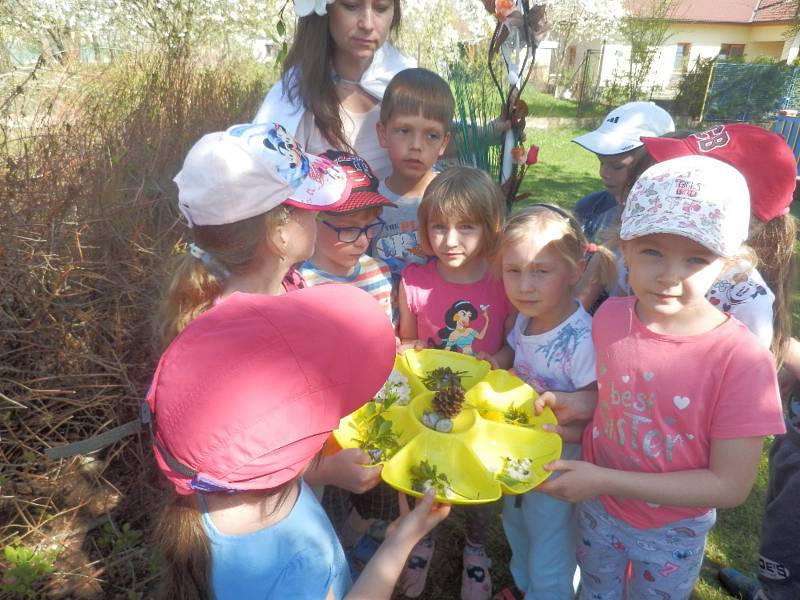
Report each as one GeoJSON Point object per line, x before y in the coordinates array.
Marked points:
{"type": "Point", "coordinates": [473, 454]}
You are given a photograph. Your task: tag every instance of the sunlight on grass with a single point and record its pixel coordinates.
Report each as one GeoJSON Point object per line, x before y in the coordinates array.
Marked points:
{"type": "Point", "coordinates": [565, 171]}
{"type": "Point", "coordinates": [544, 105]}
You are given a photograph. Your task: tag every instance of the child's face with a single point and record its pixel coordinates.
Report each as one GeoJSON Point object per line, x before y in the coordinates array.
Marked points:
{"type": "Point", "coordinates": [359, 27]}
{"type": "Point", "coordinates": [455, 243]}
{"type": "Point", "coordinates": [334, 255]}
{"type": "Point", "coordinates": [615, 170]}
{"type": "Point", "coordinates": [414, 144]}
{"type": "Point", "coordinates": [539, 280]}
{"type": "Point", "coordinates": [670, 275]}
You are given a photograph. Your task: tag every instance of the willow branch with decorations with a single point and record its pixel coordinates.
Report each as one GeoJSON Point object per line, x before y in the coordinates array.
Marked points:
{"type": "Point", "coordinates": [519, 30]}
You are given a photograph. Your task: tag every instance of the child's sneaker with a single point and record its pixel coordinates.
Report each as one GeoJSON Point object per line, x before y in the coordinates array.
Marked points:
{"type": "Point", "coordinates": [415, 573]}
{"type": "Point", "coordinates": [476, 582]}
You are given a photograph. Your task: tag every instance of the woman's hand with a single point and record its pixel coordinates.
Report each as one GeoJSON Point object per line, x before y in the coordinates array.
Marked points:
{"type": "Point", "coordinates": [348, 469]}
{"type": "Point", "coordinates": [579, 480]}
{"type": "Point", "coordinates": [574, 410]}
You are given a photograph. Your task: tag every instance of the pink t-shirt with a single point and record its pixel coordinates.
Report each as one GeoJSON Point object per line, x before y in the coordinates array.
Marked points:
{"type": "Point", "coordinates": [662, 399]}
{"type": "Point", "coordinates": [293, 280]}
{"type": "Point", "coordinates": [453, 316]}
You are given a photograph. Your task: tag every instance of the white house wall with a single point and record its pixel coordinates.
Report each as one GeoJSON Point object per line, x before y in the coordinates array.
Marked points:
{"type": "Point", "coordinates": [705, 39]}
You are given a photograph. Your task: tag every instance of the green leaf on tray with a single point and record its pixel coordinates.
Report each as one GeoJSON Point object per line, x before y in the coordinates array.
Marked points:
{"type": "Point", "coordinates": [374, 433]}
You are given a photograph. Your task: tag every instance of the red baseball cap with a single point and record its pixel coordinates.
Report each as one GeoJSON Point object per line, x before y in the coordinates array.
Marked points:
{"type": "Point", "coordinates": [763, 157]}
{"type": "Point", "coordinates": [249, 391]}
{"type": "Point", "coordinates": [363, 183]}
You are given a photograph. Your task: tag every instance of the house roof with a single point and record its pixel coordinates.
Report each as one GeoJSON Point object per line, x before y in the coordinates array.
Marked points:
{"type": "Point", "coordinates": [775, 10]}
{"type": "Point", "coordinates": [726, 11]}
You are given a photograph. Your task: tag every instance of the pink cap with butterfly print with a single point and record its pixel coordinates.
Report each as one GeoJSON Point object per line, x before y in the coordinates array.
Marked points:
{"type": "Point", "coordinates": [232, 175]}
{"type": "Point", "coordinates": [696, 197]}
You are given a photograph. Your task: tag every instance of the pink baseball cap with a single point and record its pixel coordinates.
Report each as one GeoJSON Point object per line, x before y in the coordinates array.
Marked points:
{"type": "Point", "coordinates": [249, 391]}
{"type": "Point", "coordinates": [763, 157]}
{"type": "Point", "coordinates": [232, 175]}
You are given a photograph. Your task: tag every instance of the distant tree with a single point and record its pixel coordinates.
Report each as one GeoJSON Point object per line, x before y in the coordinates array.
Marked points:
{"type": "Point", "coordinates": [575, 21]}
{"type": "Point", "coordinates": [433, 30]}
{"type": "Point", "coordinates": [60, 28]}
{"type": "Point", "coordinates": [645, 29]}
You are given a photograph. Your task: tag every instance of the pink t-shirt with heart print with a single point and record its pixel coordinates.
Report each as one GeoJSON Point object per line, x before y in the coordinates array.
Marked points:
{"type": "Point", "coordinates": [662, 399]}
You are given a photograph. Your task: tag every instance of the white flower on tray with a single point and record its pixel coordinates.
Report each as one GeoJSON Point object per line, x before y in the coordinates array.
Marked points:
{"type": "Point", "coordinates": [515, 471]}
{"type": "Point", "coordinates": [303, 8]}
{"type": "Point", "coordinates": [395, 391]}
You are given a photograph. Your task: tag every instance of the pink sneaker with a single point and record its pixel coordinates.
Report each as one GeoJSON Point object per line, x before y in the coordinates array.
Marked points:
{"type": "Point", "coordinates": [415, 573]}
{"type": "Point", "coordinates": [476, 582]}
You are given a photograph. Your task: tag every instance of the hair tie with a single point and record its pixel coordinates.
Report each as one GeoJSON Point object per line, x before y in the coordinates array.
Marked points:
{"type": "Point", "coordinates": [211, 264]}
{"type": "Point", "coordinates": [591, 248]}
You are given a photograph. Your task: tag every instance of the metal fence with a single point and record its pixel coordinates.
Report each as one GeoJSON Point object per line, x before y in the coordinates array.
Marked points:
{"type": "Point", "coordinates": [750, 92]}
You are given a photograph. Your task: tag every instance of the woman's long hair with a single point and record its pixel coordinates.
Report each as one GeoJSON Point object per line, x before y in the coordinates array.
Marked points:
{"type": "Point", "coordinates": [311, 53]}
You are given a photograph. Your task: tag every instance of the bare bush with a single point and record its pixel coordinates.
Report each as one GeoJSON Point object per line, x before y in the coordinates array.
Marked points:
{"type": "Point", "coordinates": [87, 220]}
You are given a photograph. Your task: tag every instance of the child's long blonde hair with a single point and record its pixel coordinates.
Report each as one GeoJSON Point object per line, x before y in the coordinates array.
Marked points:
{"type": "Point", "coordinates": [467, 194]}
{"type": "Point", "coordinates": [773, 243]}
{"type": "Point", "coordinates": [571, 244]}
{"type": "Point", "coordinates": [195, 285]}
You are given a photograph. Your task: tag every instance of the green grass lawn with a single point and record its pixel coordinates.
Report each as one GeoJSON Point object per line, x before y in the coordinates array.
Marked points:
{"type": "Point", "coordinates": [565, 173]}
{"type": "Point", "coordinates": [544, 105]}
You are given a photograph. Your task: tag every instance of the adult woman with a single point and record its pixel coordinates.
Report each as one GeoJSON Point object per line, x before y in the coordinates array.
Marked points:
{"type": "Point", "coordinates": [334, 76]}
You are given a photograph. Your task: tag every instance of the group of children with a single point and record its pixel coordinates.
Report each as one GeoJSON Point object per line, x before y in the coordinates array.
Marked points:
{"type": "Point", "coordinates": [253, 379]}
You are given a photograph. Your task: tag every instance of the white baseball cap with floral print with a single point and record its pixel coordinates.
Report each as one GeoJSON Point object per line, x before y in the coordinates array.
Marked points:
{"type": "Point", "coordinates": [696, 197]}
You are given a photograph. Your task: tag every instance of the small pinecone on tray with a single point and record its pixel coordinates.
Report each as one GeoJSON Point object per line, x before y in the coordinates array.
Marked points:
{"type": "Point", "coordinates": [447, 401]}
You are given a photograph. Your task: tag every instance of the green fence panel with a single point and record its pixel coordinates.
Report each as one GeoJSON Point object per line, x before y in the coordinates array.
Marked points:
{"type": "Point", "coordinates": [751, 92]}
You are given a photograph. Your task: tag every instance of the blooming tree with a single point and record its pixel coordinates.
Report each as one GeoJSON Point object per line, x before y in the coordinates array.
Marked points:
{"type": "Point", "coordinates": [432, 30]}
{"type": "Point", "coordinates": [57, 27]}
{"type": "Point", "coordinates": [61, 27]}
{"type": "Point", "coordinates": [574, 21]}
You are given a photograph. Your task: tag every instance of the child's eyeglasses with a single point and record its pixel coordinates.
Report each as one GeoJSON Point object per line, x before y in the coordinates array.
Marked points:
{"type": "Point", "coordinates": [348, 235]}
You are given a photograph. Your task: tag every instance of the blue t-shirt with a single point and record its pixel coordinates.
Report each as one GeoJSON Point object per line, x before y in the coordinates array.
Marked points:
{"type": "Point", "coordinates": [596, 212]}
{"type": "Point", "coordinates": [298, 557]}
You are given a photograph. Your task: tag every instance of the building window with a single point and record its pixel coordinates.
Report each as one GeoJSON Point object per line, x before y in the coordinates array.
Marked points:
{"type": "Point", "coordinates": [681, 63]}
{"type": "Point", "coordinates": [731, 50]}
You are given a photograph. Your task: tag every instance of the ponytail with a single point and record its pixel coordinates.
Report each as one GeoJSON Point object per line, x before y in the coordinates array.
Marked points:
{"type": "Point", "coordinates": [773, 243]}
{"type": "Point", "coordinates": [198, 276]}
{"type": "Point", "coordinates": [191, 291]}
{"type": "Point", "coordinates": [185, 551]}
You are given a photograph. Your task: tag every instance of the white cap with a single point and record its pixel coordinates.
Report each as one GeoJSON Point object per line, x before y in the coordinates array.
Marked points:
{"type": "Point", "coordinates": [232, 175]}
{"type": "Point", "coordinates": [697, 197]}
{"type": "Point", "coordinates": [621, 129]}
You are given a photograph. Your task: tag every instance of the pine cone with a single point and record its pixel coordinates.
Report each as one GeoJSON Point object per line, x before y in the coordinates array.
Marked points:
{"type": "Point", "coordinates": [447, 402]}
